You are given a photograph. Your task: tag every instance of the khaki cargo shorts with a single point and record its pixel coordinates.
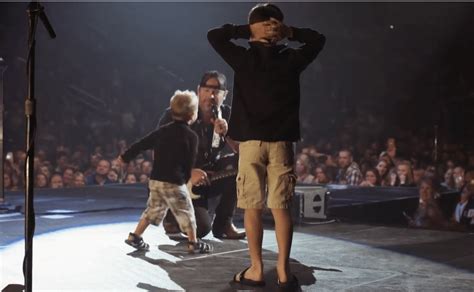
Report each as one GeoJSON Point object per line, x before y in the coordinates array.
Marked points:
{"type": "Point", "coordinates": [176, 198]}
{"type": "Point", "coordinates": [265, 168]}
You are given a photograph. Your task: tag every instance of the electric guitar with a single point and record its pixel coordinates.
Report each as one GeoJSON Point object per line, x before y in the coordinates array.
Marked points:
{"type": "Point", "coordinates": [196, 191]}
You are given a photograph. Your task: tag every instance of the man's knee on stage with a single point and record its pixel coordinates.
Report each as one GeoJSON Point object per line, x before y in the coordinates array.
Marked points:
{"type": "Point", "coordinates": [203, 221]}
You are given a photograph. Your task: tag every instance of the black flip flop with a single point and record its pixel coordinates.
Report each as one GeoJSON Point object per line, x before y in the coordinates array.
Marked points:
{"type": "Point", "coordinates": [288, 285]}
{"type": "Point", "coordinates": [240, 279]}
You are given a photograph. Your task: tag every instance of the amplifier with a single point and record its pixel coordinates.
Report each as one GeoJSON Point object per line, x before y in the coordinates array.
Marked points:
{"type": "Point", "coordinates": [312, 201]}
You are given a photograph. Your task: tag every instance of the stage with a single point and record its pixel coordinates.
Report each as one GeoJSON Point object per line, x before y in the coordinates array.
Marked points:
{"type": "Point", "coordinates": [79, 246]}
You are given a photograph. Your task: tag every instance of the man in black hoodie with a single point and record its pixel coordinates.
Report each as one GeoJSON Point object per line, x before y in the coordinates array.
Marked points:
{"type": "Point", "coordinates": [265, 120]}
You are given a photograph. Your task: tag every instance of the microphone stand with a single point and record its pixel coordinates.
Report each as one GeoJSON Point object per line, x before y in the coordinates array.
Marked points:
{"type": "Point", "coordinates": [35, 11]}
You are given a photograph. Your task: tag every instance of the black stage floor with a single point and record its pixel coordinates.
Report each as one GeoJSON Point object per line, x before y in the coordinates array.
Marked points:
{"type": "Point", "coordinates": [79, 246]}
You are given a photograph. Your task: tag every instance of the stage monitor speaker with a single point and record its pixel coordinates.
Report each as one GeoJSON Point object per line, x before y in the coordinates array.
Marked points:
{"type": "Point", "coordinates": [313, 201]}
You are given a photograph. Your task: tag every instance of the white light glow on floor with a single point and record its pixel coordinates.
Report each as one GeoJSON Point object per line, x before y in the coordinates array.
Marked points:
{"type": "Point", "coordinates": [92, 258]}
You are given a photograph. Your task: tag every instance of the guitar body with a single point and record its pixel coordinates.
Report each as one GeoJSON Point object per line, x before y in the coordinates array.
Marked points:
{"type": "Point", "coordinates": [227, 166]}
{"type": "Point", "coordinates": [198, 191]}
{"type": "Point", "coordinates": [190, 187]}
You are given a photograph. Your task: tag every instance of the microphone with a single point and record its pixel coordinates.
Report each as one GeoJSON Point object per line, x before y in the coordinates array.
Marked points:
{"type": "Point", "coordinates": [46, 23]}
{"type": "Point", "coordinates": [215, 111]}
{"type": "Point", "coordinates": [216, 138]}
{"type": "Point", "coordinates": [35, 7]}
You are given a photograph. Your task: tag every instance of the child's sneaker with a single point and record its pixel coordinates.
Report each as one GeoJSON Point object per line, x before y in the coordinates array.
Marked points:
{"type": "Point", "coordinates": [136, 242]}
{"type": "Point", "coordinates": [199, 247]}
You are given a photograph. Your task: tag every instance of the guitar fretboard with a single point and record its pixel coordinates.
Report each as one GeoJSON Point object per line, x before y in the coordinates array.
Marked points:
{"type": "Point", "coordinates": [223, 174]}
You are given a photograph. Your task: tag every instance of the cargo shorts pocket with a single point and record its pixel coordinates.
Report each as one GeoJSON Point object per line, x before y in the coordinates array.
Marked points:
{"type": "Point", "coordinates": [240, 182]}
{"type": "Point", "coordinates": [290, 183]}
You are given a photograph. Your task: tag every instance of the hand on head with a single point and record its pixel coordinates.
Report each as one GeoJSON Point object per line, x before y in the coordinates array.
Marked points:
{"type": "Point", "coordinates": [269, 31]}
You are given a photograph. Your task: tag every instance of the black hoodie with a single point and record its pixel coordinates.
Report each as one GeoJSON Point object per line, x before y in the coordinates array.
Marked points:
{"type": "Point", "coordinates": [266, 95]}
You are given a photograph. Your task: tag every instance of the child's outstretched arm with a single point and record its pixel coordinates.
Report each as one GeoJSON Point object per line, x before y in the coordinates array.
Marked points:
{"type": "Point", "coordinates": [147, 142]}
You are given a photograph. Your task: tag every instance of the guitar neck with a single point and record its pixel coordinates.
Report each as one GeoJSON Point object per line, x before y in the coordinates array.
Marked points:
{"type": "Point", "coordinates": [222, 174]}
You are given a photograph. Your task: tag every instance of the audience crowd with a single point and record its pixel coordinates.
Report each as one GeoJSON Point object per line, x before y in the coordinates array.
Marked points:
{"type": "Point", "coordinates": [360, 152]}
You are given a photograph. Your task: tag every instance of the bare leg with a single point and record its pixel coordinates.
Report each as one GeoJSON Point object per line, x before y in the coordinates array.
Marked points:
{"type": "Point", "coordinates": [254, 230]}
{"type": "Point", "coordinates": [191, 235]}
{"type": "Point", "coordinates": [284, 236]}
{"type": "Point", "coordinates": [141, 227]}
